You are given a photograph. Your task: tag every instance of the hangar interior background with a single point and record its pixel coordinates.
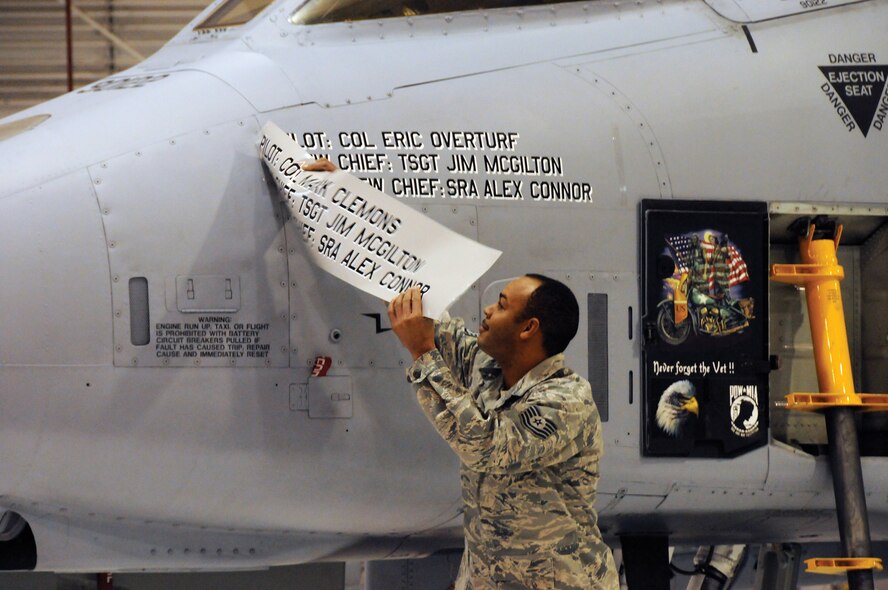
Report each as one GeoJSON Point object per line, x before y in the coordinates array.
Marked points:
{"type": "Point", "coordinates": [108, 36]}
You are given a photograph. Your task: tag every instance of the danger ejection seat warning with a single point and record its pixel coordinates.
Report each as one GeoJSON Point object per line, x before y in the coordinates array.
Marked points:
{"type": "Point", "coordinates": [855, 88]}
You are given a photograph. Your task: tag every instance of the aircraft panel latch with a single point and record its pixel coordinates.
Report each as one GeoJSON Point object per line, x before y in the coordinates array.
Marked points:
{"type": "Point", "coordinates": [208, 293]}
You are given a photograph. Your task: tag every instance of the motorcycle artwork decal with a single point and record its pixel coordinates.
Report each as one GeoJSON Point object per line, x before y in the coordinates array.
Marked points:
{"type": "Point", "coordinates": [705, 292]}
{"type": "Point", "coordinates": [705, 351]}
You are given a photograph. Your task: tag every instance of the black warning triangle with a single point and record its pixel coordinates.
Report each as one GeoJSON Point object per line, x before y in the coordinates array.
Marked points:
{"type": "Point", "coordinates": [860, 88]}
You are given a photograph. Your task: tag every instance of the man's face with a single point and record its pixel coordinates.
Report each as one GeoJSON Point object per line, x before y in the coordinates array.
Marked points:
{"type": "Point", "coordinates": [500, 328]}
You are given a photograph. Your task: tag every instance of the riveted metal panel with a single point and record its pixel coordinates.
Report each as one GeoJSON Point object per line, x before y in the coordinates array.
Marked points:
{"type": "Point", "coordinates": [330, 318]}
{"type": "Point", "coordinates": [603, 357]}
{"type": "Point", "coordinates": [330, 397]}
{"type": "Point", "coordinates": [191, 215]}
{"type": "Point", "coordinates": [606, 348]}
{"type": "Point", "coordinates": [54, 276]}
{"type": "Point", "coordinates": [746, 11]}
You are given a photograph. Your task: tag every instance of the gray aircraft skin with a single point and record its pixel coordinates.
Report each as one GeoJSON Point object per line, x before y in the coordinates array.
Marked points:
{"type": "Point", "coordinates": [127, 447]}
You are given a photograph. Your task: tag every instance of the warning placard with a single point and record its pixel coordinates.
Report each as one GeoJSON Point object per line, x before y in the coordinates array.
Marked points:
{"type": "Point", "coordinates": [856, 90]}
{"type": "Point", "coordinates": [368, 239]}
{"type": "Point", "coordinates": [212, 337]}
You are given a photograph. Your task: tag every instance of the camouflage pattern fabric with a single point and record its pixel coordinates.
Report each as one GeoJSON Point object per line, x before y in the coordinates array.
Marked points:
{"type": "Point", "coordinates": [699, 270]}
{"type": "Point", "coordinates": [529, 466]}
{"type": "Point", "coordinates": [721, 269]}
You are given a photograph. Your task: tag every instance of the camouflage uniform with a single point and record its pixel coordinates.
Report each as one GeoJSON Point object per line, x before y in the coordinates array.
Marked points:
{"type": "Point", "coordinates": [721, 269]}
{"type": "Point", "coordinates": [699, 279]}
{"type": "Point", "coordinates": [529, 466]}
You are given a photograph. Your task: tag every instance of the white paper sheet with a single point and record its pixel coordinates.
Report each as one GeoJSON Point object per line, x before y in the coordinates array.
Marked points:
{"type": "Point", "coordinates": [367, 238]}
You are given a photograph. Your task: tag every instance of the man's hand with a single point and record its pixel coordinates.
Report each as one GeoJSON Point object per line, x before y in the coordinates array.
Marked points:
{"type": "Point", "coordinates": [319, 165]}
{"type": "Point", "coordinates": [416, 332]}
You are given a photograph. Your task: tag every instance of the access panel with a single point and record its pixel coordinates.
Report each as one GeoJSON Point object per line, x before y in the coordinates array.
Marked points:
{"type": "Point", "coordinates": [705, 310]}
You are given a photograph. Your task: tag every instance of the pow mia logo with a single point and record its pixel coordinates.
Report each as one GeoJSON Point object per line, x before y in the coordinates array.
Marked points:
{"type": "Point", "coordinates": [744, 410]}
{"type": "Point", "coordinates": [537, 424]}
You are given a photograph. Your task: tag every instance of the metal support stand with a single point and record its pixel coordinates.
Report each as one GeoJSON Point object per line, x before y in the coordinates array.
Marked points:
{"type": "Point", "coordinates": [844, 459]}
{"type": "Point", "coordinates": [820, 274]}
{"type": "Point", "coordinates": [778, 567]}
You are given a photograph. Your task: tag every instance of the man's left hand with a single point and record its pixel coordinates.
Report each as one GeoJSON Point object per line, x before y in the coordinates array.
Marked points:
{"type": "Point", "coordinates": [415, 331]}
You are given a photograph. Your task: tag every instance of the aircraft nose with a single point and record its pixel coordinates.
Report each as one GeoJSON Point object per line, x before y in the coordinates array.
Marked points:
{"type": "Point", "coordinates": [54, 275]}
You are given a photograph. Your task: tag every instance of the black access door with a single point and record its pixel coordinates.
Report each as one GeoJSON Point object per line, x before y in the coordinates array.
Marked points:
{"type": "Point", "coordinates": [705, 310]}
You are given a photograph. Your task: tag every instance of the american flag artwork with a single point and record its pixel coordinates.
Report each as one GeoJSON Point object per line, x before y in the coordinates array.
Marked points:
{"type": "Point", "coordinates": [737, 266]}
{"type": "Point", "coordinates": [682, 246]}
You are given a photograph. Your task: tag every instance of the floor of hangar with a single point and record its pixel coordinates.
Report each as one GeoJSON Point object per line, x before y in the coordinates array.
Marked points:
{"type": "Point", "coordinates": [407, 574]}
{"type": "Point", "coordinates": [313, 576]}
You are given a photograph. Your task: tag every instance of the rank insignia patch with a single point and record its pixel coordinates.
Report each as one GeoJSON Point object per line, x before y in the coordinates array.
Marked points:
{"type": "Point", "coordinates": [537, 424]}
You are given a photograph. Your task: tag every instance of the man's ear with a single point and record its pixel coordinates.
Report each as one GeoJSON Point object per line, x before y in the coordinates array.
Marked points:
{"type": "Point", "coordinates": [531, 329]}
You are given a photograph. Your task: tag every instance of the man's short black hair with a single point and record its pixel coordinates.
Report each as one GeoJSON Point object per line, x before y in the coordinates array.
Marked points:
{"type": "Point", "coordinates": [554, 305]}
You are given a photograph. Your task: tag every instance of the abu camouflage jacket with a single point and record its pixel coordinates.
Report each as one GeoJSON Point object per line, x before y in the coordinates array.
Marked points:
{"type": "Point", "coordinates": [529, 466]}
